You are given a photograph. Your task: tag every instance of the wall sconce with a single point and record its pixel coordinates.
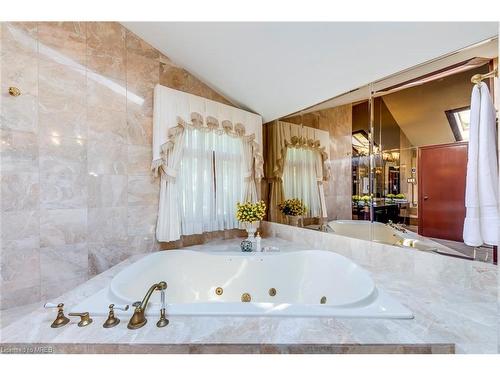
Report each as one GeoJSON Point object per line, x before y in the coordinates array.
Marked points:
{"type": "Point", "coordinates": [14, 91]}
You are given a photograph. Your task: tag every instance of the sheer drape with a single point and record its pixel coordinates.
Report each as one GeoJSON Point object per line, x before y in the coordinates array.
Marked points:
{"type": "Point", "coordinates": [210, 181]}
{"type": "Point", "coordinates": [196, 183]}
{"type": "Point", "coordinates": [300, 180]}
{"type": "Point", "coordinates": [228, 180]}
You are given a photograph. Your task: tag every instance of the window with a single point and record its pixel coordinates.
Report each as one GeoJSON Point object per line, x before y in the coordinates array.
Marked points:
{"type": "Point", "coordinates": [299, 178]}
{"type": "Point", "coordinates": [210, 181]}
{"type": "Point", "coordinates": [459, 120]}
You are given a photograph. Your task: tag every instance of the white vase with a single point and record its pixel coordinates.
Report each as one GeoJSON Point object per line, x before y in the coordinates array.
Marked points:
{"type": "Point", "coordinates": [293, 220]}
{"type": "Point", "coordinates": [251, 228]}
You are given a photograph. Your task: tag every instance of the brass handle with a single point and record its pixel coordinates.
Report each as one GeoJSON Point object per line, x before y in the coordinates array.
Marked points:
{"type": "Point", "coordinates": [51, 305]}
{"type": "Point", "coordinates": [85, 319]}
{"type": "Point", "coordinates": [112, 320]}
{"type": "Point", "coordinates": [118, 307]}
{"type": "Point", "coordinates": [14, 91]}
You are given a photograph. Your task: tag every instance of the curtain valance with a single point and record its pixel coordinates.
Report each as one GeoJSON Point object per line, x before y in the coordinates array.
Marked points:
{"type": "Point", "coordinates": [211, 125]}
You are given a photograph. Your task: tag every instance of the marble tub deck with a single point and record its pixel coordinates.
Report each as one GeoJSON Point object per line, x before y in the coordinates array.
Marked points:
{"type": "Point", "coordinates": [447, 320]}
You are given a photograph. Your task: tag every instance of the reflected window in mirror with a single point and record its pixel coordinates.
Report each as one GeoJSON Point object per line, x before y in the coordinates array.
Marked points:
{"type": "Point", "coordinates": [299, 178]}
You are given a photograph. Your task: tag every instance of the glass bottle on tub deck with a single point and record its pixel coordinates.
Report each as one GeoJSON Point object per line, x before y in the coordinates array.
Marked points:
{"type": "Point", "coordinates": [258, 246]}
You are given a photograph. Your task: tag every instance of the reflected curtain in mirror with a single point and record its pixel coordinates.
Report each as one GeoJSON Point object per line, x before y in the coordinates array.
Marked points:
{"type": "Point", "coordinates": [280, 137]}
{"type": "Point", "coordinates": [299, 178]}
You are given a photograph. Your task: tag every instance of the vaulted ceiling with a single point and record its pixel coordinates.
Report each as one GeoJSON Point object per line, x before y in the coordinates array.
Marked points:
{"type": "Point", "coordinates": [275, 69]}
{"type": "Point", "coordinates": [420, 111]}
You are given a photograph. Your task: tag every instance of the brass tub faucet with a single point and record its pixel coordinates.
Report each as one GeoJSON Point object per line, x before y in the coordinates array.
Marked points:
{"type": "Point", "coordinates": [85, 318]}
{"type": "Point", "coordinates": [61, 319]}
{"type": "Point", "coordinates": [138, 319]}
{"type": "Point", "coordinates": [112, 319]}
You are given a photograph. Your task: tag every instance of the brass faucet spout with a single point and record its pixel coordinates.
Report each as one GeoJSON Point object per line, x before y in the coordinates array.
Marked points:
{"type": "Point", "coordinates": [138, 319]}
{"type": "Point", "coordinates": [159, 286]}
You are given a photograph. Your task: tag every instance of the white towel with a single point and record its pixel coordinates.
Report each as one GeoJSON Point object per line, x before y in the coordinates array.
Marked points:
{"type": "Point", "coordinates": [481, 196]}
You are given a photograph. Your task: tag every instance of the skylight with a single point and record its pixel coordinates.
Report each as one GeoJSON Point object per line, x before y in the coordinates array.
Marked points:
{"type": "Point", "coordinates": [459, 120]}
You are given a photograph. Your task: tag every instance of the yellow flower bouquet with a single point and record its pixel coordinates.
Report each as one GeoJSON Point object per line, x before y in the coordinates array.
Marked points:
{"type": "Point", "coordinates": [250, 212]}
{"type": "Point", "coordinates": [292, 207]}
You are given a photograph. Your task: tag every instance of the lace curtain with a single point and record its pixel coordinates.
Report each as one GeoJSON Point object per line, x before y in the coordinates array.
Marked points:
{"type": "Point", "coordinates": [229, 179]}
{"type": "Point", "coordinates": [299, 178]}
{"type": "Point", "coordinates": [196, 184]}
{"type": "Point", "coordinates": [210, 181]}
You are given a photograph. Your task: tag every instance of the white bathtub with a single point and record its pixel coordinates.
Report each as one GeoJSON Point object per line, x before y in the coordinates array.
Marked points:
{"type": "Point", "coordinates": [301, 280]}
{"type": "Point", "coordinates": [379, 232]}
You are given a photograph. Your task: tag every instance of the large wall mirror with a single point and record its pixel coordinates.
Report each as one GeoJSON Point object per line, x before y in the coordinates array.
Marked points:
{"type": "Point", "coordinates": [395, 157]}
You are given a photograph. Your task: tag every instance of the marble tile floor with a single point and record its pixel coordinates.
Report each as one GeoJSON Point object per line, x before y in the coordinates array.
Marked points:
{"type": "Point", "coordinates": [447, 319]}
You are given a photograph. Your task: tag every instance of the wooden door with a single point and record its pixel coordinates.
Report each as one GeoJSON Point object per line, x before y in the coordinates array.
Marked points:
{"type": "Point", "coordinates": [442, 171]}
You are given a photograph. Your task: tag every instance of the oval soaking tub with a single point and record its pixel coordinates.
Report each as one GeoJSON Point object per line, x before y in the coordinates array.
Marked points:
{"type": "Point", "coordinates": [301, 283]}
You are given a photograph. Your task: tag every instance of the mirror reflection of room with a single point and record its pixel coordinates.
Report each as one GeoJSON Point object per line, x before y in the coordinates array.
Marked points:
{"type": "Point", "coordinates": [308, 163]}
{"type": "Point", "coordinates": [420, 165]}
{"type": "Point", "coordinates": [402, 184]}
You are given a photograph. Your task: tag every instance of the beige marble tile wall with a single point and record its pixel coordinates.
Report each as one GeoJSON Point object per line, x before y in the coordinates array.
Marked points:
{"type": "Point", "coordinates": [338, 122]}
{"type": "Point", "coordinates": [76, 191]}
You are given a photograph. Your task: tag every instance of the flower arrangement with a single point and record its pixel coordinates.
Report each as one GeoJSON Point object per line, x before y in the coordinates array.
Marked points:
{"type": "Point", "coordinates": [361, 198]}
{"type": "Point", "coordinates": [292, 207]}
{"type": "Point", "coordinates": [250, 212]}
